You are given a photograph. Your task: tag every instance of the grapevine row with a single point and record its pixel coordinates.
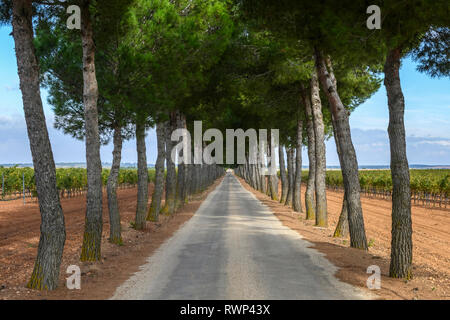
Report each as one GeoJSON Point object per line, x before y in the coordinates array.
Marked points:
{"type": "Point", "coordinates": [428, 187]}
{"type": "Point", "coordinates": [69, 181]}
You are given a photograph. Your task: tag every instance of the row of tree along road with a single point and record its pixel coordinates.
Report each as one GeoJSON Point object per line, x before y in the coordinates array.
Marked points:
{"type": "Point", "coordinates": [297, 66]}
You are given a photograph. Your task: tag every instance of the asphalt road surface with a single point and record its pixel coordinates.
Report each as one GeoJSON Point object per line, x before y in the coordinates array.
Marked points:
{"type": "Point", "coordinates": [235, 248]}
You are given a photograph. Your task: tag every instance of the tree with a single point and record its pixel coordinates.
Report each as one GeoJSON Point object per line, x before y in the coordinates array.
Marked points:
{"type": "Point", "coordinates": [115, 234]}
{"type": "Point", "coordinates": [400, 34]}
{"type": "Point", "coordinates": [318, 27]}
{"type": "Point", "coordinates": [404, 26]}
{"type": "Point", "coordinates": [51, 242]}
{"type": "Point", "coordinates": [297, 204]}
{"type": "Point", "coordinates": [142, 196]}
{"type": "Point", "coordinates": [401, 246]}
{"type": "Point", "coordinates": [311, 184]}
{"type": "Point", "coordinates": [171, 185]}
{"type": "Point", "coordinates": [60, 56]}
{"type": "Point", "coordinates": [92, 238]}
{"type": "Point", "coordinates": [291, 172]}
{"type": "Point", "coordinates": [155, 207]}
{"type": "Point", "coordinates": [60, 52]}
{"type": "Point", "coordinates": [283, 175]}
{"type": "Point", "coordinates": [320, 167]}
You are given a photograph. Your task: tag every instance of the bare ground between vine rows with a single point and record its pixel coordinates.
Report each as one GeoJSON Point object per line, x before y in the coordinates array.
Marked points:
{"type": "Point", "coordinates": [431, 243]}
{"type": "Point", "coordinates": [19, 238]}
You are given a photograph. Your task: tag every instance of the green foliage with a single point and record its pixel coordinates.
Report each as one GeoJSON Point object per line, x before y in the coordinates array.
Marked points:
{"type": "Point", "coordinates": [60, 53]}
{"type": "Point", "coordinates": [13, 179]}
{"type": "Point", "coordinates": [5, 12]}
{"type": "Point", "coordinates": [151, 57]}
{"type": "Point", "coordinates": [260, 79]}
{"type": "Point", "coordinates": [428, 181]}
{"type": "Point", "coordinates": [66, 178]}
{"type": "Point", "coordinates": [433, 54]}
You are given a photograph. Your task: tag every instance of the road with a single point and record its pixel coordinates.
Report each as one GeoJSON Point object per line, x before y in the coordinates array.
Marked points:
{"type": "Point", "coordinates": [235, 248]}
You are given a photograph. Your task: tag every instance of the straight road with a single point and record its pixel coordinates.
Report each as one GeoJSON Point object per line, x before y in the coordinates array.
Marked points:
{"type": "Point", "coordinates": [235, 248]}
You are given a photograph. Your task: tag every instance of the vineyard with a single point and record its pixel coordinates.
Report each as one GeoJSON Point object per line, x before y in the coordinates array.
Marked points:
{"type": "Point", "coordinates": [428, 187]}
{"type": "Point", "coordinates": [223, 89]}
{"type": "Point", "coordinates": [18, 182]}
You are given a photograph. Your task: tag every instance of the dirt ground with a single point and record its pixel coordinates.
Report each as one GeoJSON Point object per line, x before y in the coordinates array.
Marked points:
{"type": "Point", "coordinates": [431, 243]}
{"type": "Point", "coordinates": [19, 238]}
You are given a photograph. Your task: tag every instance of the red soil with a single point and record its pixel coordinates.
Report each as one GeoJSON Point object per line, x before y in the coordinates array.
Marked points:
{"type": "Point", "coordinates": [19, 238]}
{"type": "Point", "coordinates": [431, 243]}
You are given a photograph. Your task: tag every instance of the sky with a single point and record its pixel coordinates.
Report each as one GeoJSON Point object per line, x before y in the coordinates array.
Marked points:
{"type": "Point", "coordinates": [427, 121]}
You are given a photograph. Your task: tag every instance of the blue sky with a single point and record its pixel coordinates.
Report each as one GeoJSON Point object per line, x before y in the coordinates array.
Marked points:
{"type": "Point", "coordinates": [427, 119]}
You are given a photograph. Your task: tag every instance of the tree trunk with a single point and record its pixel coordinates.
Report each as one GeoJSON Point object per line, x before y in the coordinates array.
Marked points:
{"type": "Point", "coordinates": [272, 178]}
{"type": "Point", "coordinates": [187, 183]}
{"type": "Point", "coordinates": [185, 188]}
{"type": "Point", "coordinates": [297, 195]}
{"type": "Point", "coordinates": [311, 185]}
{"type": "Point", "coordinates": [45, 274]}
{"type": "Point", "coordinates": [115, 235]}
{"type": "Point", "coordinates": [290, 174]}
{"type": "Point", "coordinates": [261, 176]}
{"type": "Point", "coordinates": [142, 195]}
{"type": "Point", "coordinates": [181, 176]}
{"type": "Point", "coordinates": [283, 175]}
{"type": "Point", "coordinates": [254, 177]}
{"type": "Point", "coordinates": [320, 170]}
{"type": "Point", "coordinates": [191, 176]}
{"type": "Point", "coordinates": [349, 163]}
{"type": "Point", "coordinates": [92, 238]}
{"type": "Point", "coordinates": [198, 179]}
{"type": "Point", "coordinates": [342, 226]}
{"type": "Point", "coordinates": [171, 177]}
{"type": "Point", "coordinates": [155, 207]}
{"type": "Point", "coordinates": [186, 191]}
{"type": "Point", "coordinates": [401, 244]}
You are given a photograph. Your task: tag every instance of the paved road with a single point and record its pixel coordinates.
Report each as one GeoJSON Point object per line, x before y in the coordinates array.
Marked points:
{"type": "Point", "coordinates": [235, 248]}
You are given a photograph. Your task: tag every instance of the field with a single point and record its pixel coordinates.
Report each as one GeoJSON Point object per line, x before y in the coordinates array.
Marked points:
{"type": "Point", "coordinates": [19, 239]}
{"type": "Point", "coordinates": [70, 181]}
{"type": "Point", "coordinates": [431, 257]}
{"type": "Point", "coordinates": [428, 187]}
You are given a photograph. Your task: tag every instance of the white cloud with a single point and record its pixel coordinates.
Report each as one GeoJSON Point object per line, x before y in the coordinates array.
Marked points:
{"type": "Point", "coordinates": [15, 148]}
{"type": "Point", "coordinates": [372, 146]}
{"type": "Point", "coordinates": [12, 87]}
{"type": "Point", "coordinates": [444, 143]}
